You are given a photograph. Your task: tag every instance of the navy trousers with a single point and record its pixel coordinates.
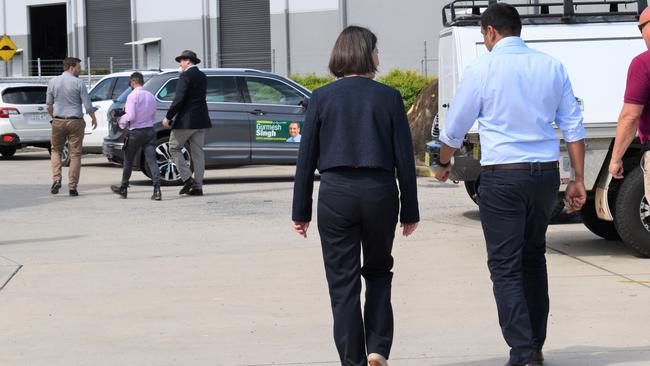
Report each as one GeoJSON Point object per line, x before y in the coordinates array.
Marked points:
{"type": "Point", "coordinates": [357, 212]}
{"type": "Point", "coordinates": [516, 207]}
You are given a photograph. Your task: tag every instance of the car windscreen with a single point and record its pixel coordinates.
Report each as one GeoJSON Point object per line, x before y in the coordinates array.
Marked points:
{"type": "Point", "coordinates": [25, 95]}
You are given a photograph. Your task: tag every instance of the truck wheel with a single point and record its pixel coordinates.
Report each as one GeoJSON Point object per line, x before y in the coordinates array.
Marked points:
{"type": "Point", "coordinates": [632, 216]}
{"type": "Point", "coordinates": [602, 228]}
{"type": "Point", "coordinates": [169, 174]}
{"type": "Point", "coordinates": [471, 187]}
{"type": "Point", "coordinates": [8, 152]}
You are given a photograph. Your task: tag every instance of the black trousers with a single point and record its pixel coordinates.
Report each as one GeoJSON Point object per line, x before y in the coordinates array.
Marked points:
{"type": "Point", "coordinates": [145, 138]}
{"type": "Point", "coordinates": [357, 212]}
{"type": "Point", "coordinates": [516, 207]}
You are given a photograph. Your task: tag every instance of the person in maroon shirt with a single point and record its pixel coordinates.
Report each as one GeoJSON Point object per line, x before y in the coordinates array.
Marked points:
{"type": "Point", "coordinates": [635, 114]}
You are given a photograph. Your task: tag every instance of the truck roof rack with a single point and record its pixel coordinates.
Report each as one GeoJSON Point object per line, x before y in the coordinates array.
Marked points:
{"type": "Point", "coordinates": [468, 12]}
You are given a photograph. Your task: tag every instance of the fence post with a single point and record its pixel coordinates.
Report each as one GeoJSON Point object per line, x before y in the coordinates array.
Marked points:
{"type": "Point", "coordinates": [273, 60]}
{"type": "Point", "coordinates": [426, 59]}
{"type": "Point", "coordinates": [111, 65]}
{"type": "Point", "coordinates": [38, 65]}
{"type": "Point", "coordinates": [88, 65]}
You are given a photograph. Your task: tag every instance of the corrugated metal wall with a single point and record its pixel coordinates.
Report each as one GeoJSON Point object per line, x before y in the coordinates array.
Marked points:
{"type": "Point", "coordinates": [108, 27]}
{"type": "Point", "coordinates": [245, 34]}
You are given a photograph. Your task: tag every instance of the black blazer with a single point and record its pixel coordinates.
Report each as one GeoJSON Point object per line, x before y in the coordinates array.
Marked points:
{"type": "Point", "coordinates": [189, 109]}
{"type": "Point", "coordinates": [356, 122]}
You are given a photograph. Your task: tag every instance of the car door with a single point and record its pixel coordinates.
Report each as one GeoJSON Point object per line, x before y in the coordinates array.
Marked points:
{"type": "Point", "coordinates": [276, 115]}
{"type": "Point", "coordinates": [228, 141]}
{"type": "Point", "coordinates": [101, 97]}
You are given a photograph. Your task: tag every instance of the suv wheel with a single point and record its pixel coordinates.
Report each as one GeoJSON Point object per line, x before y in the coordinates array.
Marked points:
{"type": "Point", "coordinates": [65, 155]}
{"type": "Point", "coordinates": [169, 174]}
{"type": "Point", "coordinates": [8, 152]}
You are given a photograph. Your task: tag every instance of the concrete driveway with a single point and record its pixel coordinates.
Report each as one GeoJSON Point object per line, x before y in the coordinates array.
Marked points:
{"type": "Point", "coordinates": [222, 279]}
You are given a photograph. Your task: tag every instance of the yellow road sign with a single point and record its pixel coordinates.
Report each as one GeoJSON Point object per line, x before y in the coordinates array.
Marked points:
{"type": "Point", "coordinates": [7, 48]}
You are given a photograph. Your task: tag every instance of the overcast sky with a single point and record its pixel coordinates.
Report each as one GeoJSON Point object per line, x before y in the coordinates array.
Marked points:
{"type": "Point", "coordinates": [277, 6]}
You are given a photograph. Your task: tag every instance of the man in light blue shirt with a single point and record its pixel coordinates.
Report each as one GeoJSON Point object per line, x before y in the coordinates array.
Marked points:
{"type": "Point", "coordinates": [294, 132]}
{"type": "Point", "coordinates": [516, 93]}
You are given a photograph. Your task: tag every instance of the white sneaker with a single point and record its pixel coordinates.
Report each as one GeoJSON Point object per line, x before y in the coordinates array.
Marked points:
{"type": "Point", "coordinates": [375, 359]}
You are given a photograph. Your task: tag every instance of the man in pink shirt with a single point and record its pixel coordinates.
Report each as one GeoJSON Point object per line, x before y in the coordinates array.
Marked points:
{"type": "Point", "coordinates": [635, 114]}
{"type": "Point", "coordinates": [140, 112]}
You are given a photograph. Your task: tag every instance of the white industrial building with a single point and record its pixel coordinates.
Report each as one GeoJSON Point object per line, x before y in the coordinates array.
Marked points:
{"type": "Point", "coordinates": [285, 36]}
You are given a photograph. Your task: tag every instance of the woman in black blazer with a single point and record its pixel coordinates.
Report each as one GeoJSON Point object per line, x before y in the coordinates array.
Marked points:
{"type": "Point", "coordinates": [357, 135]}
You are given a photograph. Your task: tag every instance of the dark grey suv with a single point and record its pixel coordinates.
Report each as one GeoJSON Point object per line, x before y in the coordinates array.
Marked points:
{"type": "Point", "coordinates": [256, 119]}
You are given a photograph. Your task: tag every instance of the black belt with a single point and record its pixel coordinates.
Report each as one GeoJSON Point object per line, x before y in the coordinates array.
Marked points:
{"type": "Point", "coordinates": [521, 166]}
{"type": "Point", "coordinates": [71, 117]}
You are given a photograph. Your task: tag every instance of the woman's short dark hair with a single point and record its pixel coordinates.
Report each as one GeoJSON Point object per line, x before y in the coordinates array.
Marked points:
{"type": "Point", "coordinates": [504, 18]}
{"type": "Point", "coordinates": [137, 78]}
{"type": "Point", "coordinates": [69, 62]}
{"type": "Point", "coordinates": [352, 52]}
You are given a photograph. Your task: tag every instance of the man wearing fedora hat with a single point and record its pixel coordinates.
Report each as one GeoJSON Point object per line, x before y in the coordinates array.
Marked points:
{"type": "Point", "coordinates": [189, 112]}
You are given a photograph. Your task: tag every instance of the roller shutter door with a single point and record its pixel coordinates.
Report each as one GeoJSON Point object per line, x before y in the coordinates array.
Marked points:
{"type": "Point", "coordinates": [108, 27]}
{"type": "Point", "coordinates": [245, 34]}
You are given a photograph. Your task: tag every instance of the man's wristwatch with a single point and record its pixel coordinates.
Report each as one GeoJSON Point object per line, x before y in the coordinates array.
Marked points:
{"type": "Point", "coordinates": [441, 164]}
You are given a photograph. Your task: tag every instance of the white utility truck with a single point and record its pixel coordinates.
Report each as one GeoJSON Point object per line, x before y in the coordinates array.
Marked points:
{"type": "Point", "coordinates": [596, 41]}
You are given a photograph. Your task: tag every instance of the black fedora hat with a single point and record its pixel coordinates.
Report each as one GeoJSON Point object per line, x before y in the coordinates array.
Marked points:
{"type": "Point", "coordinates": [190, 55]}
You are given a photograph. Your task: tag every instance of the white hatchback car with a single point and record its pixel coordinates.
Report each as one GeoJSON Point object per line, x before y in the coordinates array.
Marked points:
{"type": "Point", "coordinates": [24, 120]}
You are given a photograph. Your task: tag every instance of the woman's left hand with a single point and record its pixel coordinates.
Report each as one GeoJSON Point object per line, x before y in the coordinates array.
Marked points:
{"type": "Point", "coordinates": [301, 227]}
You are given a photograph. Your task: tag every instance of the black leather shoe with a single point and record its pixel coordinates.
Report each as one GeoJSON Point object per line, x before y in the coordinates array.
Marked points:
{"type": "Point", "coordinates": [195, 192]}
{"type": "Point", "coordinates": [121, 190]}
{"type": "Point", "coordinates": [74, 193]}
{"type": "Point", "coordinates": [187, 185]}
{"type": "Point", "coordinates": [157, 195]}
{"type": "Point", "coordinates": [55, 187]}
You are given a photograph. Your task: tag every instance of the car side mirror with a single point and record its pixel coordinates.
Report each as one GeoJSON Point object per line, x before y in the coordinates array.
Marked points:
{"type": "Point", "coordinates": [304, 103]}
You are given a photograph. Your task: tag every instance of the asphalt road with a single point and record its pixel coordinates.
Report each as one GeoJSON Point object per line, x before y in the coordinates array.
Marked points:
{"type": "Point", "coordinates": [222, 279]}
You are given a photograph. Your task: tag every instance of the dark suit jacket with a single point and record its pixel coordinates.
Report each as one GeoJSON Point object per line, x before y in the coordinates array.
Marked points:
{"type": "Point", "coordinates": [356, 122]}
{"type": "Point", "coordinates": [189, 109]}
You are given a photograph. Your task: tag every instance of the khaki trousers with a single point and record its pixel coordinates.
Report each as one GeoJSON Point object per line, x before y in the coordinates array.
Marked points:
{"type": "Point", "coordinates": [73, 131]}
{"type": "Point", "coordinates": [645, 165]}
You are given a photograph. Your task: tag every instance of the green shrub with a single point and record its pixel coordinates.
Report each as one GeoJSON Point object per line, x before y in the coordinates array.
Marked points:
{"type": "Point", "coordinates": [408, 82]}
{"type": "Point", "coordinates": [312, 81]}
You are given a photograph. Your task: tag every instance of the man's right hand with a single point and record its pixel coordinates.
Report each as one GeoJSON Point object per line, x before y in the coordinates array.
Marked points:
{"type": "Point", "coordinates": [616, 168]}
{"type": "Point", "coordinates": [165, 122]}
{"type": "Point", "coordinates": [442, 173]}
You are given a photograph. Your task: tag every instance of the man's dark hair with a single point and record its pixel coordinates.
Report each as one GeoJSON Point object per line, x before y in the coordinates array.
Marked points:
{"type": "Point", "coordinates": [352, 52]}
{"type": "Point", "coordinates": [137, 78]}
{"type": "Point", "coordinates": [504, 18]}
{"type": "Point", "coordinates": [69, 62]}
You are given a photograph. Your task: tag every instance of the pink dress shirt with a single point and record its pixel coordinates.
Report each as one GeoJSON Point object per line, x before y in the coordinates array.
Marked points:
{"type": "Point", "coordinates": [140, 109]}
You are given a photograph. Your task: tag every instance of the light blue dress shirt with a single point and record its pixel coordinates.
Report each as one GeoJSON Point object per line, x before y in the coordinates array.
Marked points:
{"type": "Point", "coordinates": [515, 93]}
{"type": "Point", "coordinates": [295, 138]}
